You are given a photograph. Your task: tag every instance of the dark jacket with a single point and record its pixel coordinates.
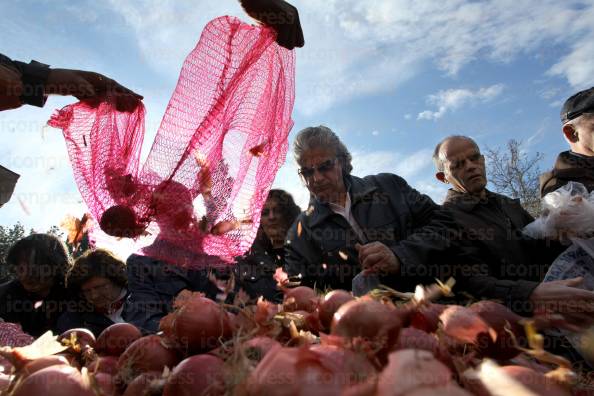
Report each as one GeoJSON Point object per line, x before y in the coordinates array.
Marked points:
{"type": "Point", "coordinates": [152, 287]}
{"type": "Point", "coordinates": [33, 77]}
{"type": "Point", "coordinates": [321, 244]}
{"type": "Point", "coordinates": [254, 273]}
{"type": "Point", "coordinates": [36, 316]}
{"type": "Point", "coordinates": [513, 264]}
{"type": "Point", "coordinates": [568, 167]}
{"type": "Point", "coordinates": [8, 181]}
{"type": "Point", "coordinates": [88, 319]}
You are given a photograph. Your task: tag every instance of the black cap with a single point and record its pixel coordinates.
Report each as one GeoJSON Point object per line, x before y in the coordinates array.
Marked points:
{"type": "Point", "coordinates": [580, 103]}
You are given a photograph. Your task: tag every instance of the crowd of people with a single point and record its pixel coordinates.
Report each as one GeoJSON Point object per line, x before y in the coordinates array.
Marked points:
{"type": "Point", "coordinates": [375, 228]}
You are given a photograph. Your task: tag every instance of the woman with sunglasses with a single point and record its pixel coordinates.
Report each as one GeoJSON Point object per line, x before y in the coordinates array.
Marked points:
{"type": "Point", "coordinates": [376, 224]}
{"type": "Point", "coordinates": [37, 296]}
{"type": "Point", "coordinates": [100, 280]}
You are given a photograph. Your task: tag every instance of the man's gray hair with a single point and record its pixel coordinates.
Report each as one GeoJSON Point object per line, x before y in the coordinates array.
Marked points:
{"type": "Point", "coordinates": [439, 163]}
{"type": "Point", "coordinates": [322, 137]}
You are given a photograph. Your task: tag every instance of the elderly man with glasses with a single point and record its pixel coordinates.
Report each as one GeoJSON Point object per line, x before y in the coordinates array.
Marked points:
{"type": "Point", "coordinates": [376, 224]}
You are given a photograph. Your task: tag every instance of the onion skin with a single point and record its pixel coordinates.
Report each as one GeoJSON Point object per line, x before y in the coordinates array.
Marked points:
{"type": "Point", "coordinates": [103, 364]}
{"type": "Point", "coordinates": [426, 318]}
{"type": "Point", "coordinates": [300, 298]}
{"type": "Point", "coordinates": [330, 303]}
{"type": "Point", "coordinates": [84, 337]}
{"type": "Point", "coordinates": [41, 363]}
{"type": "Point", "coordinates": [197, 325]}
{"type": "Point", "coordinates": [143, 355]}
{"type": "Point", "coordinates": [312, 371]}
{"type": "Point", "coordinates": [497, 317]}
{"type": "Point", "coordinates": [369, 321]}
{"type": "Point", "coordinates": [368, 388]}
{"type": "Point", "coordinates": [411, 338]}
{"type": "Point", "coordinates": [141, 384]}
{"type": "Point", "coordinates": [59, 380]}
{"type": "Point", "coordinates": [465, 326]}
{"type": "Point", "coordinates": [256, 348]}
{"type": "Point", "coordinates": [106, 384]}
{"type": "Point", "coordinates": [449, 390]}
{"type": "Point", "coordinates": [409, 369]}
{"type": "Point", "coordinates": [114, 340]}
{"type": "Point", "coordinates": [4, 381]}
{"type": "Point", "coordinates": [199, 375]}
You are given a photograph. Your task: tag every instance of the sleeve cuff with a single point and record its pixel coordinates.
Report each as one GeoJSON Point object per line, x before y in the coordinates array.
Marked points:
{"type": "Point", "coordinates": [34, 77]}
{"type": "Point", "coordinates": [519, 297]}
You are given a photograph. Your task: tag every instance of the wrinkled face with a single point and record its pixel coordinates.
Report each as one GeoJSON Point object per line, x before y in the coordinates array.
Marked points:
{"type": "Point", "coordinates": [100, 291]}
{"type": "Point", "coordinates": [585, 131]}
{"type": "Point", "coordinates": [273, 223]}
{"type": "Point", "coordinates": [464, 166]}
{"type": "Point", "coordinates": [321, 172]}
{"type": "Point", "coordinates": [36, 279]}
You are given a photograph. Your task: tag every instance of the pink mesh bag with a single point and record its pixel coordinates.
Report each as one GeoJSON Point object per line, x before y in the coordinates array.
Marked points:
{"type": "Point", "coordinates": [221, 141]}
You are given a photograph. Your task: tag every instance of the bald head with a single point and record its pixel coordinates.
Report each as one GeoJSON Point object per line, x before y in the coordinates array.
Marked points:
{"type": "Point", "coordinates": [438, 156]}
{"type": "Point", "coordinates": [460, 163]}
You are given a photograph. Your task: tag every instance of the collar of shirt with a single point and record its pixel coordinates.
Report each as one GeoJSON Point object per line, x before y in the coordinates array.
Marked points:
{"type": "Point", "coordinates": [348, 215]}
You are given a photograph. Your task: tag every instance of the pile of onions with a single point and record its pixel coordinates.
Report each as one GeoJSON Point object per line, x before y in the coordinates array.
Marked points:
{"type": "Point", "coordinates": [374, 348]}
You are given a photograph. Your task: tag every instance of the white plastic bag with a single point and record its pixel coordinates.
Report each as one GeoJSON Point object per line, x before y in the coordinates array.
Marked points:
{"type": "Point", "coordinates": [364, 283]}
{"type": "Point", "coordinates": [568, 213]}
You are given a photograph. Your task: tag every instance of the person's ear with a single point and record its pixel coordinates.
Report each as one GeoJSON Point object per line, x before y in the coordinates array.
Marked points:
{"type": "Point", "coordinates": [570, 133]}
{"type": "Point", "coordinates": [441, 177]}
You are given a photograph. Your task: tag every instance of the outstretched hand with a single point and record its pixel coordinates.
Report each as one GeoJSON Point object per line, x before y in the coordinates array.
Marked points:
{"type": "Point", "coordinates": [279, 15]}
{"type": "Point", "coordinates": [564, 299]}
{"type": "Point", "coordinates": [85, 85]}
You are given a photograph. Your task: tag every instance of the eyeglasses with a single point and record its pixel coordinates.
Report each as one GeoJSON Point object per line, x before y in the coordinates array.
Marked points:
{"type": "Point", "coordinates": [324, 167]}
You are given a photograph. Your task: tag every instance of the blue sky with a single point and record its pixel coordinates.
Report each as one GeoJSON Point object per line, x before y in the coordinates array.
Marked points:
{"type": "Point", "coordinates": [391, 77]}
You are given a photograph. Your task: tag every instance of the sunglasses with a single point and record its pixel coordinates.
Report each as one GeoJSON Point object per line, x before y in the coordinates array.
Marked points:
{"type": "Point", "coordinates": [324, 167]}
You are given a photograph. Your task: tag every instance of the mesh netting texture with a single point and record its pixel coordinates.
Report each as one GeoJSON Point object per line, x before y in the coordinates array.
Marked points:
{"type": "Point", "coordinates": [219, 146]}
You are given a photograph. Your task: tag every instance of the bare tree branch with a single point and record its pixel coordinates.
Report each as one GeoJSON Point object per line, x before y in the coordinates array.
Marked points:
{"type": "Point", "coordinates": [513, 173]}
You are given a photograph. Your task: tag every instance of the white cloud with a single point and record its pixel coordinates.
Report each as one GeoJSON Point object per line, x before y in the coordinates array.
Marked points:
{"type": "Point", "coordinates": [375, 133]}
{"type": "Point", "coordinates": [453, 99]}
{"type": "Point", "coordinates": [358, 48]}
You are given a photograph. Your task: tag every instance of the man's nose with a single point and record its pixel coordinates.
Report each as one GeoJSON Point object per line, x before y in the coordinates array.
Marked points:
{"type": "Point", "coordinates": [470, 165]}
{"type": "Point", "coordinates": [317, 175]}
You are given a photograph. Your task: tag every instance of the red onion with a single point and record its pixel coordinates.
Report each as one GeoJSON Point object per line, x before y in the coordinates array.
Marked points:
{"type": "Point", "coordinates": [199, 375]}
{"type": "Point", "coordinates": [116, 338]}
{"type": "Point", "coordinates": [59, 380]}
{"type": "Point", "coordinates": [330, 304]}
{"type": "Point", "coordinates": [141, 384]}
{"type": "Point", "coordinates": [197, 325]}
{"type": "Point", "coordinates": [498, 317]}
{"type": "Point", "coordinates": [143, 355]}
{"type": "Point", "coordinates": [409, 369]}
{"type": "Point", "coordinates": [300, 298]}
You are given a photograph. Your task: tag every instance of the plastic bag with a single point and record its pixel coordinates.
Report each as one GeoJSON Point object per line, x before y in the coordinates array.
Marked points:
{"type": "Point", "coordinates": [363, 283]}
{"type": "Point", "coordinates": [568, 213]}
